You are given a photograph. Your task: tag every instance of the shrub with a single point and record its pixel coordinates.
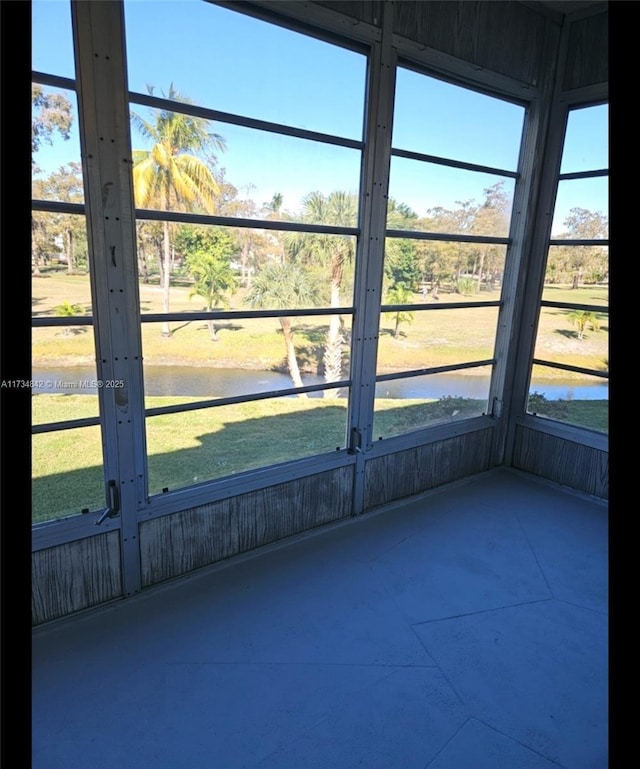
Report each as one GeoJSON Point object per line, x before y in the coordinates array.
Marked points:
{"type": "Point", "coordinates": [452, 405]}
{"type": "Point", "coordinates": [68, 310]}
{"type": "Point", "coordinates": [539, 405]}
{"type": "Point", "coordinates": [466, 286]}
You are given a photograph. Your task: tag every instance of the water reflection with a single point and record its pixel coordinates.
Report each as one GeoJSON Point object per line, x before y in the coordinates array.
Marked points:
{"type": "Point", "coordinates": [218, 382]}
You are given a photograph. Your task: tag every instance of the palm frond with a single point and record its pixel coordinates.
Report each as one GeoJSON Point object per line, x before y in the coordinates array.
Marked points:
{"type": "Point", "coordinates": [194, 181]}
{"type": "Point", "coordinates": [144, 127]}
{"type": "Point", "coordinates": [139, 155]}
{"type": "Point", "coordinates": [144, 176]}
{"type": "Point", "coordinates": [171, 173]}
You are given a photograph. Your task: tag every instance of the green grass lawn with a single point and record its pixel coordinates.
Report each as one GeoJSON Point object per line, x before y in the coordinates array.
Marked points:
{"type": "Point", "coordinates": [197, 446]}
{"type": "Point", "coordinates": [437, 338]}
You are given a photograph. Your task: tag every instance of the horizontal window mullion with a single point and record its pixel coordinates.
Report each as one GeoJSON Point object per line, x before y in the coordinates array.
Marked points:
{"type": "Point", "coordinates": [568, 306]}
{"type": "Point", "coordinates": [228, 117]}
{"type": "Point", "coordinates": [440, 306]}
{"type": "Point", "coordinates": [417, 235]}
{"type": "Point", "coordinates": [453, 163]}
{"type": "Point", "coordinates": [584, 174]}
{"type": "Point", "coordinates": [434, 370]}
{"type": "Point", "coordinates": [55, 81]}
{"type": "Point", "coordinates": [567, 367]}
{"type": "Point", "coordinates": [212, 402]}
{"type": "Point", "coordinates": [74, 320]}
{"type": "Point", "coordinates": [230, 221]}
{"type": "Point", "coordinates": [52, 427]}
{"type": "Point", "coordinates": [57, 207]}
{"type": "Point", "coordinates": [240, 314]}
{"type": "Point", "coordinates": [575, 242]}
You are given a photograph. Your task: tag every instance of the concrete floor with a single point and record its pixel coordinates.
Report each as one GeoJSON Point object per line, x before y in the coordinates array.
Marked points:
{"type": "Point", "coordinates": [466, 629]}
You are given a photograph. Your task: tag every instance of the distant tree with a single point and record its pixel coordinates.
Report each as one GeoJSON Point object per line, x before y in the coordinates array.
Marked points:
{"type": "Point", "coordinates": [66, 185]}
{"type": "Point", "coordinates": [575, 264]}
{"type": "Point", "coordinates": [453, 261]}
{"type": "Point", "coordinates": [148, 242]}
{"type": "Point", "coordinates": [274, 206]}
{"type": "Point", "coordinates": [331, 253]}
{"type": "Point", "coordinates": [584, 224]}
{"type": "Point", "coordinates": [57, 235]}
{"type": "Point", "coordinates": [399, 294]}
{"type": "Point", "coordinates": [51, 113]}
{"type": "Point", "coordinates": [43, 241]}
{"type": "Point", "coordinates": [212, 273]}
{"type": "Point", "coordinates": [254, 245]}
{"type": "Point", "coordinates": [446, 261]}
{"type": "Point", "coordinates": [192, 237]}
{"type": "Point", "coordinates": [491, 218]}
{"type": "Point", "coordinates": [278, 287]}
{"type": "Point", "coordinates": [432, 258]}
{"type": "Point", "coordinates": [227, 195]}
{"type": "Point", "coordinates": [172, 174]}
{"type": "Point", "coordinates": [583, 318]}
{"type": "Point", "coordinates": [403, 211]}
{"type": "Point", "coordinates": [44, 232]}
{"type": "Point", "coordinates": [401, 261]}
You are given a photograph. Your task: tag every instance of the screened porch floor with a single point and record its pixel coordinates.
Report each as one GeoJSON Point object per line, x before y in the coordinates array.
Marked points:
{"type": "Point", "coordinates": [465, 629]}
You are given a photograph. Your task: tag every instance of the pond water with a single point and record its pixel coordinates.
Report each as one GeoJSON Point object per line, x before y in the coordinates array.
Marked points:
{"type": "Point", "coordinates": [217, 382]}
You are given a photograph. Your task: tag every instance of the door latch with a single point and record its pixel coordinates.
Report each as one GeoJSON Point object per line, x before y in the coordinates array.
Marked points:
{"type": "Point", "coordinates": [114, 504]}
{"type": "Point", "coordinates": [355, 442]}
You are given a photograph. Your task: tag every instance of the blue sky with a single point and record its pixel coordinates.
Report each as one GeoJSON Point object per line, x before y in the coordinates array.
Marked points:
{"type": "Point", "coordinates": [224, 60]}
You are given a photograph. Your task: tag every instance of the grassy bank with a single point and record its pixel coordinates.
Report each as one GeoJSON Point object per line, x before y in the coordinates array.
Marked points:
{"type": "Point", "coordinates": [432, 339]}
{"type": "Point", "coordinates": [197, 446]}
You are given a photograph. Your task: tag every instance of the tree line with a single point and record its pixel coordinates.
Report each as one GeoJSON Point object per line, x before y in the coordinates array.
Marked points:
{"type": "Point", "coordinates": [180, 171]}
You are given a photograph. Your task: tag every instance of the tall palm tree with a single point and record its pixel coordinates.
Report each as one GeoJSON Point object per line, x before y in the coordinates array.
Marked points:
{"type": "Point", "coordinates": [171, 175]}
{"type": "Point", "coordinates": [332, 252]}
{"type": "Point", "coordinates": [278, 287]}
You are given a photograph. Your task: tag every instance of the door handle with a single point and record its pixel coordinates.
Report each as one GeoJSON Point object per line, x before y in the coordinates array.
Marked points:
{"type": "Point", "coordinates": [114, 504]}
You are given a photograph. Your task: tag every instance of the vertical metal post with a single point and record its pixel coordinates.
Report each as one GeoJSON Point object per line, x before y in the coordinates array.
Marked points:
{"type": "Point", "coordinates": [531, 227]}
{"type": "Point", "coordinates": [106, 159]}
{"type": "Point", "coordinates": [370, 261]}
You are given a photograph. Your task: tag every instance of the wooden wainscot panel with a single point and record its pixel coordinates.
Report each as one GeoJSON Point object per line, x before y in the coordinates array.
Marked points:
{"type": "Point", "coordinates": [413, 471]}
{"type": "Point", "coordinates": [580, 467]}
{"type": "Point", "coordinates": [74, 576]}
{"type": "Point", "coordinates": [506, 37]}
{"type": "Point", "coordinates": [176, 544]}
{"type": "Point", "coordinates": [588, 52]}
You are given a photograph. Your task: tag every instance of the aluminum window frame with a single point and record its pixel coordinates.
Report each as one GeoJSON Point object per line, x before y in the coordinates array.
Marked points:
{"type": "Point", "coordinates": [429, 71]}
{"type": "Point", "coordinates": [57, 206]}
{"type": "Point", "coordinates": [277, 129]}
{"type": "Point", "coordinates": [574, 306]}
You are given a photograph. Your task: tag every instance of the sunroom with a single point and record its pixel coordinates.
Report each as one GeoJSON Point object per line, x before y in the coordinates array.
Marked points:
{"type": "Point", "coordinates": [319, 383]}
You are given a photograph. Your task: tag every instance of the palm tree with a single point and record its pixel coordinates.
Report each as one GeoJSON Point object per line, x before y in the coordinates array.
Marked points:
{"type": "Point", "coordinates": [171, 174]}
{"type": "Point", "coordinates": [334, 251]}
{"type": "Point", "coordinates": [399, 294]}
{"type": "Point", "coordinates": [582, 318]}
{"type": "Point", "coordinates": [274, 205]}
{"type": "Point", "coordinates": [68, 310]}
{"type": "Point", "coordinates": [278, 287]}
{"type": "Point", "coordinates": [213, 278]}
